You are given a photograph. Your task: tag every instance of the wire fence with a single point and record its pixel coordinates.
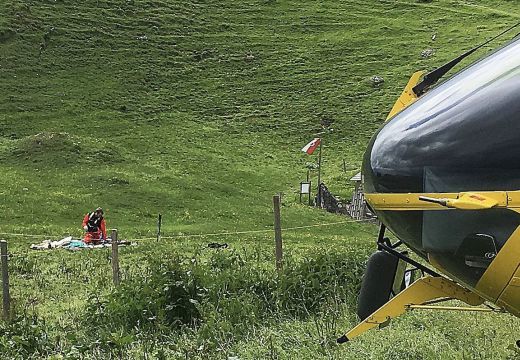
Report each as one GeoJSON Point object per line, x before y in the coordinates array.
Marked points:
{"type": "Point", "coordinates": [114, 258]}
{"type": "Point", "coordinates": [177, 236]}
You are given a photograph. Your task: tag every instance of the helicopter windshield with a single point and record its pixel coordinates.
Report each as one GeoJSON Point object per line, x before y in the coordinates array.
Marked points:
{"type": "Point", "coordinates": [470, 121]}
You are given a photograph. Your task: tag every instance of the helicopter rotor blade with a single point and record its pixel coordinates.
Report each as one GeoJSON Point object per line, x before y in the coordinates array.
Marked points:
{"type": "Point", "coordinates": [433, 76]}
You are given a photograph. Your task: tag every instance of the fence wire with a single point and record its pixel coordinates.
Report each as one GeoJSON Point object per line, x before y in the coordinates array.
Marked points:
{"type": "Point", "coordinates": [224, 233]}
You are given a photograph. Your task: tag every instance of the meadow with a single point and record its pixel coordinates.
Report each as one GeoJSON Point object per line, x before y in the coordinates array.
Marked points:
{"type": "Point", "coordinates": [197, 110]}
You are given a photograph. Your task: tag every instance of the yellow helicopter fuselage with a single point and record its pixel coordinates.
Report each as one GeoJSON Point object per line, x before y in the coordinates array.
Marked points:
{"type": "Point", "coordinates": [443, 175]}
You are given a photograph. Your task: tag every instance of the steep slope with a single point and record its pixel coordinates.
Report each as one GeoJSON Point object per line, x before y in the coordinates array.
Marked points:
{"type": "Point", "coordinates": [197, 109]}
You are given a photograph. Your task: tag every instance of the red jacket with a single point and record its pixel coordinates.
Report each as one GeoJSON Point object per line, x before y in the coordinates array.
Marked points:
{"type": "Point", "coordinates": [95, 224]}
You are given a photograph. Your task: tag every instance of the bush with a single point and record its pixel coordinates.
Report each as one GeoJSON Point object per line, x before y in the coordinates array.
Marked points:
{"type": "Point", "coordinates": [305, 286]}
{"type": "Point", "coordinates": [168, 296]}
{"type": "Point", "coordinates": [226, 294]}
{"type": "Point", "coordinates": [23, 336]}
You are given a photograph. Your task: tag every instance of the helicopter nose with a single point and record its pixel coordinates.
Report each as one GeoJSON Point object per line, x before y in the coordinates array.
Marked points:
{"type": "Point", "coordinates": [461, 136]}
{"type": "Point", "coordinates": [470, 122]}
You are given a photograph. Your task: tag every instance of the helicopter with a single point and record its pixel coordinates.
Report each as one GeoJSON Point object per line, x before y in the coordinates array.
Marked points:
{"type": "Point", "coordinates": [443, 175]}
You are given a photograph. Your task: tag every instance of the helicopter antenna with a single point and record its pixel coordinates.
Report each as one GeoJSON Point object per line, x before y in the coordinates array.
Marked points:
{"type": "Point", "coordinates": [433, 76]}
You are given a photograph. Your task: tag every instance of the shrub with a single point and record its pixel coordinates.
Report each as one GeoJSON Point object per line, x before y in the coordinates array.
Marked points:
{"type": "Point", "coordinates": [226, 292]}
{"type": "Point", "coordinates": [23, 336]}
{"type": "Point", "coordinates": [168, 296]}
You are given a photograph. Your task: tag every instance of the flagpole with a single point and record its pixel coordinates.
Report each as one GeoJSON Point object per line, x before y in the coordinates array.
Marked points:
{"type": "Point", "coordinates": [319, 175]}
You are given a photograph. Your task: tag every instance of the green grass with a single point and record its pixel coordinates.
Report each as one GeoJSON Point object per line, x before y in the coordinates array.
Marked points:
{"type": "Point", "coordinates": [198, 110]}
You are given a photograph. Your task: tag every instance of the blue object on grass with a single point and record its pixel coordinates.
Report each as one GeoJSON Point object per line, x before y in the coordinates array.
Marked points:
{"type": "Point", "coordinates": [77, 244]}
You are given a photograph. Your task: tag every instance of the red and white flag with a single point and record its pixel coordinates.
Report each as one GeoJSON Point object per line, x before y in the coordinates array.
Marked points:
{"type": "Point", "coordinates": [313, 145]}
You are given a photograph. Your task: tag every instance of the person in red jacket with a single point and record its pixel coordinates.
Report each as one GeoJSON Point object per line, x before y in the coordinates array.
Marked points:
{"type": "Point", "coordinates": [95, 227]}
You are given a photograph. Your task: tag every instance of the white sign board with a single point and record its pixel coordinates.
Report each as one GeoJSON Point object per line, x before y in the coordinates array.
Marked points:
{"type": "Point", "coordinates": [305, 188]}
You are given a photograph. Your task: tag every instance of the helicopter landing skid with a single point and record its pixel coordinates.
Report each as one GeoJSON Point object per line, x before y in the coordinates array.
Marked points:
{"type": "Point", "coordinates": [422, 291]}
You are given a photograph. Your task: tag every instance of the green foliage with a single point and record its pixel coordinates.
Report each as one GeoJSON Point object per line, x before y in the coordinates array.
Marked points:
{"type": "Point", "coordinates": [168, 295]}
{"type": "Point", "coordinates": [307, 285]}
{"type": "Point", "coordinates": [24, 336]}
{"type": "Point", "coordinates": [183, 299]}
{"type": "Point", "coordinates": [171, 290]}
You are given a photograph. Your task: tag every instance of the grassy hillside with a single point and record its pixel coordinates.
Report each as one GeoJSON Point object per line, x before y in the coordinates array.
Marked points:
{"type": "Point", "coordinates": [198, 110]}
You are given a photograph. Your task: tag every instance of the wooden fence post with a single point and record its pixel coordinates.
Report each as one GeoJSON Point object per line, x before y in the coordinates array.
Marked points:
{"type": "Point", "coordinates": [277, 233]}
{"type": "Point", "coordinates": [5, 280]}
{"type": "Point", "coordinates": [115, 258]}
{"type": "Point", "coordinates": [159, 222]}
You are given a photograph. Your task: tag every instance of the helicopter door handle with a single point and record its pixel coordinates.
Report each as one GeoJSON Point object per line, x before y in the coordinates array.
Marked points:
{"type": "Point", "coordinates": [464, 201]}
{"type": "Point", "coordinates": [442, 202]}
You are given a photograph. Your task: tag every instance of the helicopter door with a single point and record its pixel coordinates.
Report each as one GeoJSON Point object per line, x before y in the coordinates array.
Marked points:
{"type": "Point", "coordinates": [465, 242]}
